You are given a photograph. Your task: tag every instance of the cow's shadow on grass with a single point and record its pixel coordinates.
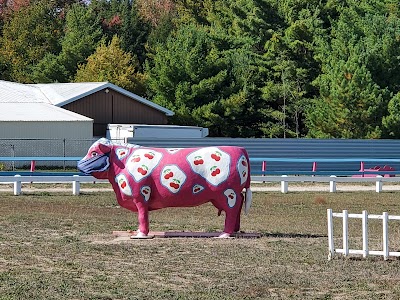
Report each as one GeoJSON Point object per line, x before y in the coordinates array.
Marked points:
{"type": "Point", "coordinates": [292, 235]}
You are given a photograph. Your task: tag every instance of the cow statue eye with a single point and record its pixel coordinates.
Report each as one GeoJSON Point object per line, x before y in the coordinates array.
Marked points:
{"type": "Point", "coordinates": [94, 153]}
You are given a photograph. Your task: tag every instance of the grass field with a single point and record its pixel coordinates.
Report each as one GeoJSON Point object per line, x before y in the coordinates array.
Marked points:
{"type": "Point", "coordinates": [58, 246]}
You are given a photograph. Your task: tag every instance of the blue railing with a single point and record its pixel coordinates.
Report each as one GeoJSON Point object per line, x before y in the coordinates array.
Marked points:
{"type": "Point", "coordinates": [264, 170]}
{"type": "Point", "coordinates": [33, 160]}
{"type": "Point", "coordinates": [286, 169]}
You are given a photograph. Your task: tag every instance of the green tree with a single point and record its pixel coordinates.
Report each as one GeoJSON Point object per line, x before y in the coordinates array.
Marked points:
{"type": "Point", "coordinates": [203, 85]}
{"type": "Point", "coordinates": [82, 35]}
{"type": "Point", "coordinates": [111, 63]}
{"type": "Point", "coordinates": [290, 67]}
{"type": "Point", "coordinates": [28, 35]}
{"type": "Point", "coordinates": [391, 122]}
{"type": "Point", "coordinates": [134, 32]}
{"type": "Point", "coordinates": [353, 96]}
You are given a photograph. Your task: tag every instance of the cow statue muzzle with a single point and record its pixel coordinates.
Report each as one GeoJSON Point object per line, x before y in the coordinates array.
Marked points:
{"type": "Point", "coordinates": [98, 163]}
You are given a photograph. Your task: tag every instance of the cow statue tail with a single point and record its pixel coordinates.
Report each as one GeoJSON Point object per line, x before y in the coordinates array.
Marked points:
{"type": "Point", "coordinates": [248, 196]}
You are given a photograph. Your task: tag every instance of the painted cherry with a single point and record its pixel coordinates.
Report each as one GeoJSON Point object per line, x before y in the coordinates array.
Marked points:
{"type": "Point", "coordinates": [149, 155]}
{"type": "Point", "coordinates": [174, 185]}
{"type": "Point", "coordinates": [142, 171]}
{"type": "Point", "coordinates": [136, 159]}
{"type": "Point", "coordinates": [198, 162]}
{"type": "Point", "coordinates": [244, 163]}
{"type": "Point", "coordinates": [123, 184]}
{"type": "Point", "coordinates": [168, 175]}
{"type": "Point", "coordinates": [215, 157]}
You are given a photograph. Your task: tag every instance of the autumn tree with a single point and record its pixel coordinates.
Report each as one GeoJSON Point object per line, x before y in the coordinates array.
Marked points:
{"type": "Point", "coordinates": [111, 63]}
{"type": "Point", "coordinates": [28, 35]}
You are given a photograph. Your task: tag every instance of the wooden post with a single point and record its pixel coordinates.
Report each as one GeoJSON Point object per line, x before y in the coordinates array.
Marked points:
{"type": "Point", "coordinates": [17, 185]}
{"type": "Point", "coordinates": [284, 185]}
{"type": "Point", "coordinates": [76, 185]}
{"type": "Point", "coordinates": [379, 183]}
{"type": "Point", "coordinates": [332, 184]}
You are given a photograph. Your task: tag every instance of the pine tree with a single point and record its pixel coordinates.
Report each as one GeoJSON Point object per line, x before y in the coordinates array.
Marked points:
{"type": "Point", "coordinates": [82, 35]}
{"type": "Point", "coordinates": [353, 98]}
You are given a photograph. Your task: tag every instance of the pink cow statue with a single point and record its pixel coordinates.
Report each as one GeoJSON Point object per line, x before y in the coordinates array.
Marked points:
{"type": "Point", "coordinates": [146, 179]}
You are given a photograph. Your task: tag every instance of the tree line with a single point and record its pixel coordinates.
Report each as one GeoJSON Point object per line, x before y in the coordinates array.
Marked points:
{"type": "Point", "coordinates": [242, 68]}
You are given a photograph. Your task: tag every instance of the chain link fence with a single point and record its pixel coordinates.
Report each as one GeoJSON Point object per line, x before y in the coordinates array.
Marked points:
{"type": "Point", "coordinates": [42, 147]}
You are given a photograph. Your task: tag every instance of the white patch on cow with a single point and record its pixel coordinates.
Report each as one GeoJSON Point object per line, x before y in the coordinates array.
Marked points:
{"type": "Point", "coordinates": [121, 152]}
{"type": "Point", "coordinates": [126, 145]}
{"type": "Point", "coordinates": [197, 188]}
{"type": "Point", "coordinates": [243, 169]}
{"type": "Point", "coordinates": [231, 197]}
{"type": "Point", "coordinates": [211, 163]}
{"type": "Point", "coordinates": [104, 141]}
{"type": "Point", "coordinates": [142, 162]}
{"type": "Point", "coordinates": [145, 191]}
{"type": "Point", "coordinates": [173, 150]}
{"type": "Point", "coordinates": [173, 178]}
{"type": "Point", "coordinates": [123, 184]}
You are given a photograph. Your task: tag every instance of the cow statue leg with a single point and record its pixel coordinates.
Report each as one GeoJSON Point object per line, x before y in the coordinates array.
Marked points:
{"type": "Point", "coordinates": [143, 219]}
{"type": "Point", "coordinates": [232, 215]}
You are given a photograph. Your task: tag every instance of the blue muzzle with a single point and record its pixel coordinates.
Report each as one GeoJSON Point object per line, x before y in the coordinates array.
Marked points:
{"type": "Point", "coordinates": [97, 163]}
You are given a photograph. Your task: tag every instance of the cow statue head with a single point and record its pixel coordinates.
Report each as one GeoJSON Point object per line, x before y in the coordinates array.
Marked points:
{"type": "Point", "coordinates": [97, 160]}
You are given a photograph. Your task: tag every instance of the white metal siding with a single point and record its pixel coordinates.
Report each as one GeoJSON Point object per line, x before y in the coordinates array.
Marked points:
{"type": "Point", "coordinates": [46, 130]}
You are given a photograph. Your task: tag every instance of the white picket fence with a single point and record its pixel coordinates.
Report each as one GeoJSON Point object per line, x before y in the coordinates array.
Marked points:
{"type": "Point", "coordinates": [332, 180]}
{"type": "Point", "coordinates": [284, 180]}
{"type": "Point", "coordinates": [365, 251]}
{"type": "Point", "coordinates": [76, 181]}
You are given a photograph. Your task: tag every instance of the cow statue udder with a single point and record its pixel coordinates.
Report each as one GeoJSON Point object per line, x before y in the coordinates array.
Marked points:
{"type": "Point", "coordinates": [146, 179]}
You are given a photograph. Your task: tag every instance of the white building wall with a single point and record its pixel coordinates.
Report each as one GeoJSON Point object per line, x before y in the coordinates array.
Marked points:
{"type": "Point", "coordinates": [46, 129]}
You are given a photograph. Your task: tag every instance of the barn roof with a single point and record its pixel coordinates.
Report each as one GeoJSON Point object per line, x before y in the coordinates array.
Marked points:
{"type": "Point", "coordinates": [60, 94]}
{"type": "Point", "coordinates": [37, 111]}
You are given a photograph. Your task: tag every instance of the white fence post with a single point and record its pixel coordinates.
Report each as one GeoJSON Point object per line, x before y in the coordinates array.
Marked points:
{"type": "Point", "coordinates": [385, 217]}
{"type": "Point", "coordinates": [365, 233]}
{"type": "Point", "coordinates": [345, 233]}
{"type": "Point", "coordinates": [330, 235]}
{"type": "Point", "coordinates": [332, 184]}
{"type": "Point", "coordinates": [385, 239]}
{"type": "Point", "coordinates": [76, 185]}
{"type": "Point", "coordinates": [378, 184]}
{"type": "Point", "coordinates": [284, 185]}
{"type": "Point", "coordinates": [17, 185]}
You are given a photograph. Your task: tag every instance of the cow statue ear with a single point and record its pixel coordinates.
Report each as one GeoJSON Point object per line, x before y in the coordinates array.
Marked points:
{"type": "Point", "coordinates": [105, 148]}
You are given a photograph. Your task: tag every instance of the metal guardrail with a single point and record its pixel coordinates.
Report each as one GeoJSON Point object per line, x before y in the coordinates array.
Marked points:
{"type": "Point", "coordinates": [314, 171]}
{"type": "Point", "coordinates": [263, 171]}
{"type": "Point", "coordinates": [17, 181]}
{"type": "Point", "coordinates": [17, 177]}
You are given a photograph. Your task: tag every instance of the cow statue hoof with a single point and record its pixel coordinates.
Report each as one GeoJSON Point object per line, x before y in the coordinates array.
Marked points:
{"type": "Point", "coordinates": [224, 235]}
{"type": "Point", "coordinates": [141, 235]}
